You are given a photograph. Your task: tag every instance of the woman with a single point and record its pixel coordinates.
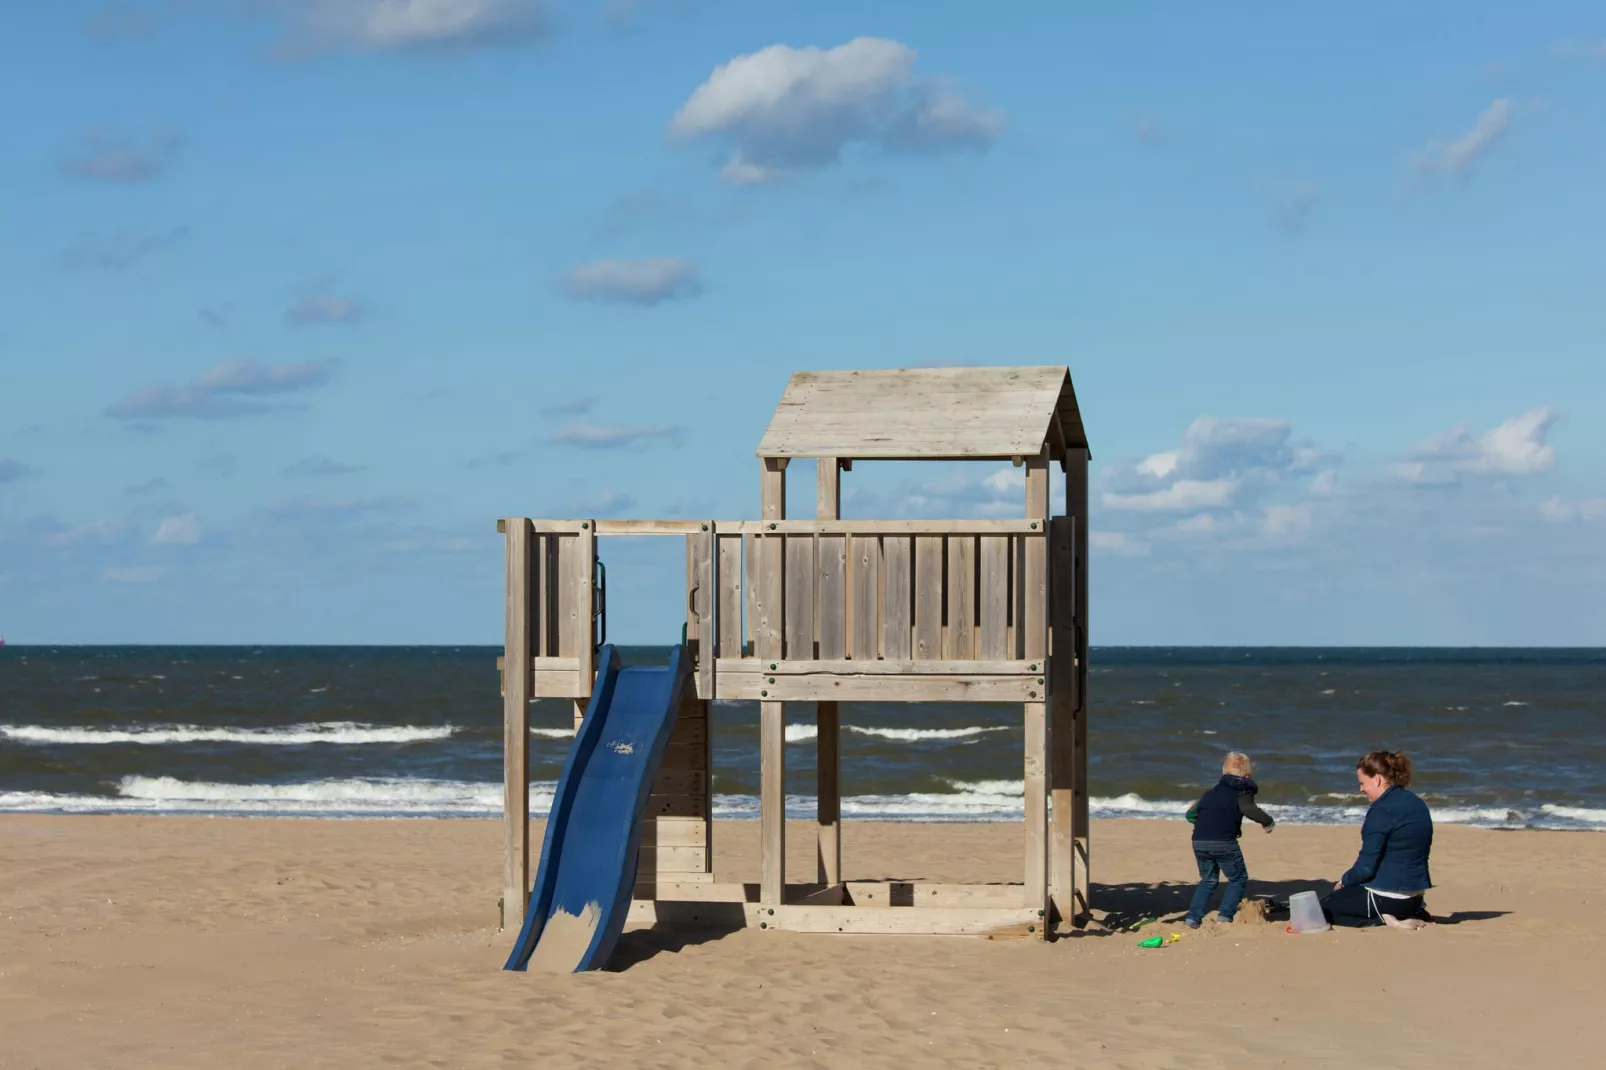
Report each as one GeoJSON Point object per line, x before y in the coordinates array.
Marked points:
{"type": "Point", "coordinates": [1390, 875]}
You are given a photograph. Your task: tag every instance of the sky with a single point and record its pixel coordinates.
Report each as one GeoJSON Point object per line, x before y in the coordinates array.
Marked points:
{"type": "Point", "coordinates": [298, 296]}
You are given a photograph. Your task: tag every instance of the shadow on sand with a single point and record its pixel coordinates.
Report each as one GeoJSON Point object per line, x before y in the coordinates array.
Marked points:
{"type": "Point", "coordinates": [1124, 905]}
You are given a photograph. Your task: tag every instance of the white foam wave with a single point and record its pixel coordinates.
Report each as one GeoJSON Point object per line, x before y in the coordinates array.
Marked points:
{"type": "Point", "coordinates": [1514, 704]}
{"type": "Point", "coordinates": [1575, 813]}
{"type": "Point", "coordinates": [802, 733]}
{"type": "Point", "coordinates": [338, 732]}
{"type": "Point", "coordinates": [553, 733]}
{"type": "Point", "coordinates": [985, 800]}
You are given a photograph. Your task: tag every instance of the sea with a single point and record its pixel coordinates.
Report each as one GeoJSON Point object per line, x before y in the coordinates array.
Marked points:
{"type": "Point", "coordinates": [1499, 738]}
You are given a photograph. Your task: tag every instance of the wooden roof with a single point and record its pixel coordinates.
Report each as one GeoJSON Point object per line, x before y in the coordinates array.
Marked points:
{"type": "Point", "coordinates": [926, 414]}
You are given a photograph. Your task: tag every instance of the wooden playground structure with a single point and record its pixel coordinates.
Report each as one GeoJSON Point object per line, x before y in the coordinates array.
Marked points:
{"type": "Point", "coordinates": [825, 611]}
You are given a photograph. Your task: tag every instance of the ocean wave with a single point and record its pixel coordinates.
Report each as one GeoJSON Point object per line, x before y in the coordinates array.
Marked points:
{"type": "Point", "coordinates": [294, 735]}
{"type": "Point", "coordinates": [802, 733]}
{"type": "Point", "coordinates": [553, 733]}
{"type": "Point", "coordinates": [1576, 813]}
{"type": "Point", "coordinates": [984, 800]}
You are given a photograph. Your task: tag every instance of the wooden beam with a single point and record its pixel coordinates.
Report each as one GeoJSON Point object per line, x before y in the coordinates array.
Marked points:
{"type": "Point", "coordinates": [875, 687]}
{"type": "Point", "coordinates": [839, 666]}
{"type": "Point", "coordinates": [1062, 721]}
{"type": "Point", "coordinates": [1033, 629]}
{"type": "Point", "coordinates": [831, 627]}
{"type": "Point", "coordinates": [768, 643]}
{"type": "Point", "coordinates": [1076, 504]}
{"type": "Point", "coordinates": [516, 726]}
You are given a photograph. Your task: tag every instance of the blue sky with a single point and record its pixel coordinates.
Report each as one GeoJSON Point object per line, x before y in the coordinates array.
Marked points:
{"type": "Point", "coordinates": [300, 295]}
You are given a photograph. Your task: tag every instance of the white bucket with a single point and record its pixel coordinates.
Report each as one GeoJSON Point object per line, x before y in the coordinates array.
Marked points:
{"type": "Point", "coordinates": [1305, 914]}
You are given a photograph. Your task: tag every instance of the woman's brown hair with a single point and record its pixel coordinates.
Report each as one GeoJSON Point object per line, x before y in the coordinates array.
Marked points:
{"type": "Point", "coordinates": [1392, 766]}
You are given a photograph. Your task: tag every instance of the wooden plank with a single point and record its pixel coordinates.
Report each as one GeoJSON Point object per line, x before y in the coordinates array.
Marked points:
{"type": "Point", "coordinates": [928, 894]}
{"type": "Point", "coordinates": [870, 687]}
{"type": "Point", "coordinates": [1076, 504]}
{"type": "Point", "coordinates": [516, 725]}
{"type": "Point", "coordinates": [585, 571]}
{"type": "Point", "coordinates": [959, 641]}
{"type": "Point", "coordinates": [568, 547]}
{"type": "Point", "coordinates": [1036, 804]}
{"type": "Point", "coordinates": [675, 890]}
{"type": "Point", "coordinates": [1032, 628]}
{"type": "Point", "coordinates": [972, 526]}
{"type": "Point", "coordinates": [831, 627]}
{"type": "Point", "coordinates": [750, 588]}
{"type": "Point", "coordinates": [688, 915]}
{"type": "Point", "coordinates": [677, 806]}
{"type": "Point", "coordinates": [992, 642]}
{"type": "Point", "coordinates": [772, 800]}
{"type": "Point", "coordinates": [786, 667]}
{"type": "Point", "coordinates": [799, 596]}
{"type": "Point", "coordinates": [680, 782]}
{"type": "Point", "coordinates": [1034, 554]}
{"type": "Point", "coordinates": [1062, 723]}
{"type": "Point", "coordinates": [917, 412]}
{"type": "Point", "coordinates": [662, 858]}
{"type": "Point", "coordinates": [674, 832]}
{"type": "Point", "coordinates": [649, 527]}
{"type": "Point", "coordinates": [729, 572]}
{"type": "Point", "coordinates": [559, 685]}
{"type": "Point", "coordinates": [689, 732]}
{"type": "Point", "coordinates": [706, 580]}
{"type": "Point", "coordinates": [831, 617]}
{"type": "Point", "coordinates": [897, 566]}
{"type": "Point", "coordinates": [928, 598]}
{"type": "Point", "coordinates": [953, 921]}
{"type": "Point", "coordinates": [864, 597]}
{"type": "Point", "coordinates": [685, 756]}
{"type": "Point", "coordinates": [769, 643]}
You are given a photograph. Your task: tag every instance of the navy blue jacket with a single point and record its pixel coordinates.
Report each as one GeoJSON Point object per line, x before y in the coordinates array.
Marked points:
{"type": "Point", "coordinates": [1219, 814]}
{"type": "Point", "coordinates": [1395, 840]}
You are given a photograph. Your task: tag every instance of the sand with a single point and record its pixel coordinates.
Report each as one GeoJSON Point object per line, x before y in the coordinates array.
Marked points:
{"type": "Point", "coordinates": [196, 942]}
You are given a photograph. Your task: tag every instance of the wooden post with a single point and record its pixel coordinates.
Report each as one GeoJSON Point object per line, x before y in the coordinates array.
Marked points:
{"type": "Point", "coordinates": [768, 642]}
{"type": "Point", "coordinates": [1076, 506]}
{"type": "Point", "coordinates": [833, 631]}
{"type": "Point", "coordinates": [516, 667]}
{"type": "Point", "coordinates": [1033, 629]}
{"type": "Point", "coordinates": [1062, 719]}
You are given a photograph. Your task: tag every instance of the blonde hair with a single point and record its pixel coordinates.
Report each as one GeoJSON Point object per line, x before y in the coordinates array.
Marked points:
{"type": "Point", "coordinates": [1237, 763]}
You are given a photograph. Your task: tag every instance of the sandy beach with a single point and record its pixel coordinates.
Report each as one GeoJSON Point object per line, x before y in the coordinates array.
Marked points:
{"type": "Point", "coordinates": [177, 942]}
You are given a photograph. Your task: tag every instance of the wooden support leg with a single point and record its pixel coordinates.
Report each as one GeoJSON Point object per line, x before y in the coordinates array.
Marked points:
{"type": "Point", "coordinates": [828, 793]}
{"type": "Point", "coordinates": [1036, 776]}
{"type": "Point", "coordinates": [772, 802]}
{"type": "Point", "coordinates": [516, 727]}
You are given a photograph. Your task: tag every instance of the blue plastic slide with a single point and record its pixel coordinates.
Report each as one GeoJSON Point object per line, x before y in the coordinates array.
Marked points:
{"type": "Point", "coordinates": [593, 833]}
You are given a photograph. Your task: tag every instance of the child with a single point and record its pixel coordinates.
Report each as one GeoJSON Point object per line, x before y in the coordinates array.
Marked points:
{"type": "Point", "coordinates": [1218, 819]}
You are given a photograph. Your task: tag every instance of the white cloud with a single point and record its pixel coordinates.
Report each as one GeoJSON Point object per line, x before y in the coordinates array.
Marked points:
{"type": "Point", "coordinates": [783, 108]}
{"type": "Point", "coordinates": [1325, 485]}
{"type": "Point", "coordinates": [1560, 511]}
{"type": "Point", "coordinates": [1198, 524]}
{"type": "Point", "coordinates": [1516, 447]}
{"type": "Point", "coordinates": [634, 282]}
{"type": "Point", "coordinates": [220, 392]}
{"type": "Point", "coordinates": [317, 26]}
{"type": "Point", "coordinates": [99, 531]}
{"type": "Point", "coordinates": [1286, 521]}
{"type": "Point", "coordinates": [106, 157]}
{"type": "Point", "coordinates": [1183, 494]}
{"type": "Point", "coordinates": [177, 531]}
{"type": "Point", "coordinates": [1460, 155]}
{"type": "Point", "coordinates": [321, 307]}
{"type": "Point", "coordinates": [1117, 543]}
{"type": "Point", "coordinates": [587, 435]}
